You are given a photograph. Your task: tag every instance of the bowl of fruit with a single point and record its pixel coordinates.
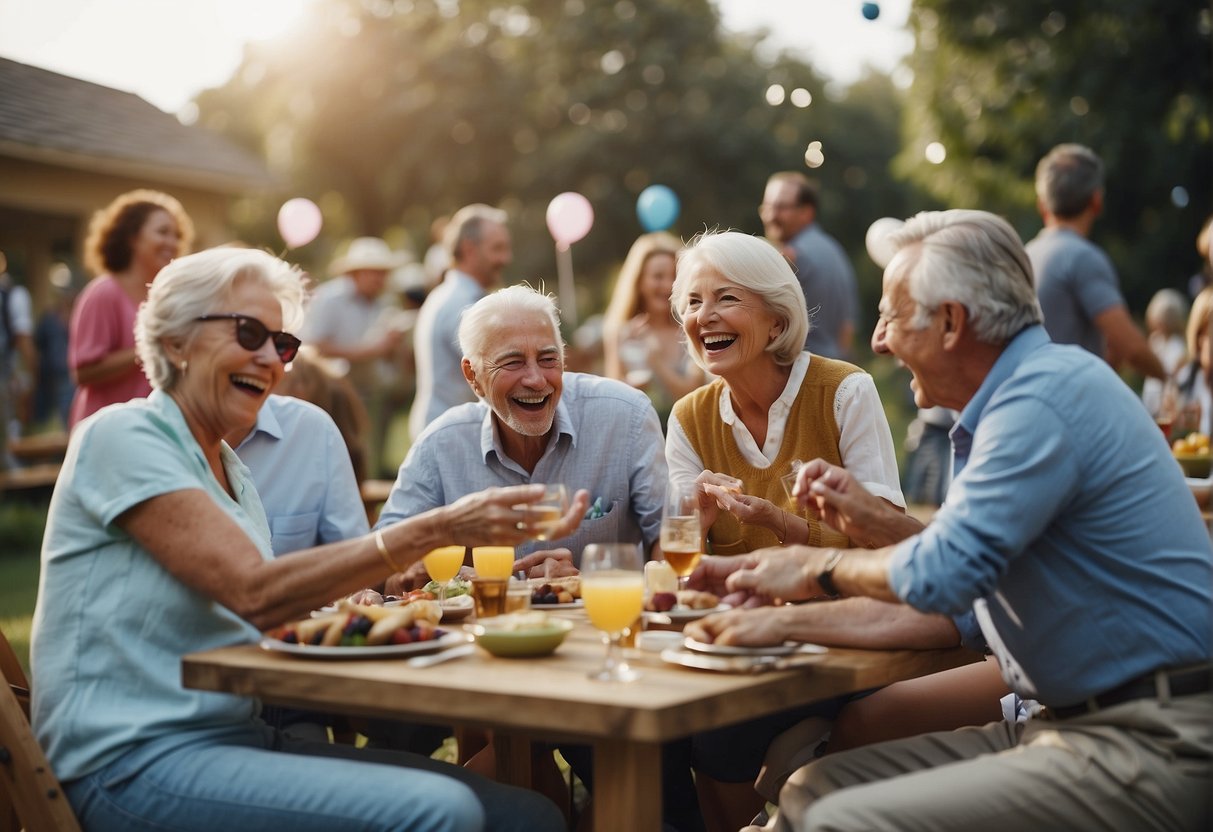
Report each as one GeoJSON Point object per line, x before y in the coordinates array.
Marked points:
{"type": "Point", "coordinates": [1192, 454]}
{"type": "Point", "coordinates": [521, 634]}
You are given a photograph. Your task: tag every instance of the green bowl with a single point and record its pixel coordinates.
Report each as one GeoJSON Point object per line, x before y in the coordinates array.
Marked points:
{"type": "Point", "coordinates": [1197, 466]}
{"type": "Point", "coordinates": [528, 643]}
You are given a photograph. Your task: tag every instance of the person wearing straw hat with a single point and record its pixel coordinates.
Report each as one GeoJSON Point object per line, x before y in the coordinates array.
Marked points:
{"type": "Point", "coordinates": [344, 322]}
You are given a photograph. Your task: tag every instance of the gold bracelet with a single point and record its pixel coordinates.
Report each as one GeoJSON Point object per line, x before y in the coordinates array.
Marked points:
{"type": "Point", "coordinates": [384, 553]}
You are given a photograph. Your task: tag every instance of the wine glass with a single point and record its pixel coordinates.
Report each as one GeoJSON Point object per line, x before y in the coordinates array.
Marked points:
{"type": "Point", "coordinates": [681, 534]}
{"type": "Point", "coordinates": [443, 565]}
{"type": "Point", "coordinates": [545, 514]}
{"type": "Point", "coordinates": [493, 562]}
{"type": "Point", "coordinates": [612, 587]}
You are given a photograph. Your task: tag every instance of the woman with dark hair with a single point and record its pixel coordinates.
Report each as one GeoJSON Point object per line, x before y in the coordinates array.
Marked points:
{"type": "Point", "coordinates": [129, 242]}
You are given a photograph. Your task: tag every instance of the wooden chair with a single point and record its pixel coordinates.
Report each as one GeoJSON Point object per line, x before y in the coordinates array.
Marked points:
{"type": "Point", "coordinates": [28, 787]}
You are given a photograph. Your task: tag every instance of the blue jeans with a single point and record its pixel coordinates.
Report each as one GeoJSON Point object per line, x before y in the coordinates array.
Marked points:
{"type": "Point", "coordinates": [236, 781]}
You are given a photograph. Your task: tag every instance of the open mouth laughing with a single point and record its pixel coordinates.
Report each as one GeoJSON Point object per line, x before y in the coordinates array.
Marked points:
{"type": "Point", "coordinates": [717, 341]}
{"type": "Point", "coordinates": [249, 385]}
{"type": "Point", "coordinates": [531, 404]}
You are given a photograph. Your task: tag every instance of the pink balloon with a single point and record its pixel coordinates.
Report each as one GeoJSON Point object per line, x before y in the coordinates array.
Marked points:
{"type": "Point", "coordinates": [570, 217]}
{"type": "Point", "coordinates": [299, 221]}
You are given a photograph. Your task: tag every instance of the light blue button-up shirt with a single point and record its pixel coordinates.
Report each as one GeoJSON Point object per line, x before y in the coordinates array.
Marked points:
{"type": "Point", "coordinates": [440, 382]}
{"type": "Point", "coordinates": [606, 438]}
{"type": "Point", "coordinates": [112, 624]}
{"type": "Point", "coordinates": [304, 476]}
{"type": "Point", "coordinates": [1068, 529]}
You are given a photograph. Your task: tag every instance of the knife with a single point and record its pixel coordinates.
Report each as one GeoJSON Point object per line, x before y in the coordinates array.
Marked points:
{"type": "Point", "coordinates": [442, 656]}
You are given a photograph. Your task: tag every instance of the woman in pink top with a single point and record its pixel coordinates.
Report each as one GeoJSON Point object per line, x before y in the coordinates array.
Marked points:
{"type": "Point", "coordinates": [129, 242]}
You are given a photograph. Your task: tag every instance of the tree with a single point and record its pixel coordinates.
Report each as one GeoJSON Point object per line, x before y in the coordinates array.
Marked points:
{"type": "Point", "coordinates": [999, 83]}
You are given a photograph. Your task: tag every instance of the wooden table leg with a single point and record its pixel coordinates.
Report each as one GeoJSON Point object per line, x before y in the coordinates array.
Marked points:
{"type": "Point", "coordinates": [627, 785]}
{"type": "Point", "coordinates": [513, 752]}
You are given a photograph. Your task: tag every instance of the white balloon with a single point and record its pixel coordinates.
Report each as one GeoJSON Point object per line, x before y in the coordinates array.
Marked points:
{"type": "Point", "coordinates": [877, 240]}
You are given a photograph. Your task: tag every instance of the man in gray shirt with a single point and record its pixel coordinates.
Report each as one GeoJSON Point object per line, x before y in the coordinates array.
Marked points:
{"type": "Point", "coordinates": [1075, 280]}
{"type": "Point", "coordinates": [478, 243]}
{"type": "Point", "coordinates": [789, 216]}
{"type": "Point", "coordinates": [537, 423]}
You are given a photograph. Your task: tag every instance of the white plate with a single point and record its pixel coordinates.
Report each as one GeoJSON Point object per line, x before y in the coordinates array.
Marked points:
{"type": "Point", "coordinates": [785, 649]}
{"type": "Point", "coordinates": [385, 651]}
{"type": "Point", "coordinates": [686, 614]}
{"type": "Point", "coordinates": [575, 605]}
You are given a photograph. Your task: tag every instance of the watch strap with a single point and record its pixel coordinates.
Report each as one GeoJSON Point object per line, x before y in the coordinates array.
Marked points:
{"type": "Point", "coordinates": [825, 578]}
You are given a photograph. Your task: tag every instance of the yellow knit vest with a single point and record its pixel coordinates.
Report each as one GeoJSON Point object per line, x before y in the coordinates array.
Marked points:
{"type": "Point", "coordinates": [812, 432]}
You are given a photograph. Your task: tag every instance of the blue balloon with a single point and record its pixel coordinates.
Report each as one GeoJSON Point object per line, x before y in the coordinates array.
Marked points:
{"type": "Point", "coordinates": [871, 11]}
{"type": "Point", "coordinates": [657, 208]}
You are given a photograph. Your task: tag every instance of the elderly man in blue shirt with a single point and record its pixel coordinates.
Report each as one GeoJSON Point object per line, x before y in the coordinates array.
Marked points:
{"type": "Point", "coordinates": [1068, 531]}
{"type": "Point", "coordinates": [536, 423]}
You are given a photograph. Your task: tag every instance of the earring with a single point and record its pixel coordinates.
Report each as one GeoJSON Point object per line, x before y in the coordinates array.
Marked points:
{"type": "Point", "coordinates": [185, 365]}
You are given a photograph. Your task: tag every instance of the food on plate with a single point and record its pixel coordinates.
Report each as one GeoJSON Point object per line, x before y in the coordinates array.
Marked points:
{"type": "Point", "coordinates": [555, 591]}
{"type": "Point", "coordinates": [367, 598]}
{"type": "Point", "coordinates": [697, 600]}
{"type": "Point", "coordinates": [660, 602]}
{"type": "Point", "coordinates": [363, 625]}
{"type": "Point", "coordinates": [1192, 453]}
{"type": "Point", "coordinates": [454, 588]}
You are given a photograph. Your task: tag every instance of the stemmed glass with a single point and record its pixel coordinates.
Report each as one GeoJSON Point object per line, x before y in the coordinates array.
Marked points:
{"type": "Point", "coordinates": [681, 534]}
{"type": "Point", "coordinates": [443, 565]}
{"type": "Point", "coordinates": [612, 586]}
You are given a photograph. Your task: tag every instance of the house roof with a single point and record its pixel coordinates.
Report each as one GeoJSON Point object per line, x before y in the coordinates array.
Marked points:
{"type": "Point", "coordinates": [57, 119]}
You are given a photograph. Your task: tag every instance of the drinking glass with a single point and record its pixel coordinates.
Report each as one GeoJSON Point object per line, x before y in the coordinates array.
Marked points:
{"type": "Point", "coordinates": [545, 513]}
{"type": "Point", "coordinates": [789, 481]}
{"type": "Point", "coordinates": [443, 565]}
{"type": "Point", "coordinates": [681, 534]}
{"type": "Point", "coordinates": [495, 562]}
{"type": "Point", "coordinates": [612, 586]}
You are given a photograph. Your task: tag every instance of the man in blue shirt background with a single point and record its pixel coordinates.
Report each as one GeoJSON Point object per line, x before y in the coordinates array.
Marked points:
{"type": "Point", "coordinates": [1068, 531]}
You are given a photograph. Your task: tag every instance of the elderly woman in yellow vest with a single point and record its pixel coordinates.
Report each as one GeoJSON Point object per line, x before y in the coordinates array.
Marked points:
{"type": "Point", "coordinates": [773, 402]}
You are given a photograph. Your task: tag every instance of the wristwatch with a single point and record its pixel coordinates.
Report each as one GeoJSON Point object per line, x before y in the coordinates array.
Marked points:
{"type": "Point", "coordinates": [825, 578]}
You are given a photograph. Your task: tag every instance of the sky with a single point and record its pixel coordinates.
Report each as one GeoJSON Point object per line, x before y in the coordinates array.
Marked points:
{"type": "Point", "coordinates": [167, 51]}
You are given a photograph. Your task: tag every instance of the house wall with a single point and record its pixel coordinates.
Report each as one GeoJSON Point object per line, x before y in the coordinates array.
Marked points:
{"type": "Point", "coordinates": [45, 210]}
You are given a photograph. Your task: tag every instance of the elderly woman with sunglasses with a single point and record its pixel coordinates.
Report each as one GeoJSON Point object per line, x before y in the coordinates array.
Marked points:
{"type": "Point", "coordinates": [156, 545]}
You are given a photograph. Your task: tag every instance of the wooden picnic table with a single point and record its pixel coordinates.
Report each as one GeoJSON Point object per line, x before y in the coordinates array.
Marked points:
{"type": "Point", "coordinates": [552, 699]}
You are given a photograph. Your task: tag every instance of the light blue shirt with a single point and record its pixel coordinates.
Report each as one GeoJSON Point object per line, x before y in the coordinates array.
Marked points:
{"type": "Point", "coordinates": [436, 352]}
{"type": "Point", "coordinates": [304, 476]}
{"type": "Point", "coordinates": [606, 438]}
{"type": "Point", "coordinates": [1068, 528]}
{"type": "Point", "coordinates": [111, 624]}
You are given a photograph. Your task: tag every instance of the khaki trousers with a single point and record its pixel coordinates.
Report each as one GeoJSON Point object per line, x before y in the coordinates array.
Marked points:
{"type": "Point", "coordinates": [1143, 765]}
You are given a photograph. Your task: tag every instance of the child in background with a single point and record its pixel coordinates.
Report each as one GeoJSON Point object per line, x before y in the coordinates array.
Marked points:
{"type": "Point", "coordinates": [1166, 317]}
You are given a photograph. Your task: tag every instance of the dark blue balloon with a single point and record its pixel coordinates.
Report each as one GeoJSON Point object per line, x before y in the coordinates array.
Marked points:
{"type": "Point", "coordinates": [657, 208]}
{"type": "Point", "coordinates": [871, 11]}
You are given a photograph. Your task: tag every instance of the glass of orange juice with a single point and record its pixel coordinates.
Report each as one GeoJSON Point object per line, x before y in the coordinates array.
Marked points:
{"type": "Point", "coordinates": [493, 561]}
{"type": "Point", "coordinates": [612, 586]}
{"type": "Point", "coordinates": [443, 565]}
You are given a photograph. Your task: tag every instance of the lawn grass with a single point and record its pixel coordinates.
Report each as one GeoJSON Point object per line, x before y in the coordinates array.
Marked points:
{"type": "Point", "coordinates": [21, 528]}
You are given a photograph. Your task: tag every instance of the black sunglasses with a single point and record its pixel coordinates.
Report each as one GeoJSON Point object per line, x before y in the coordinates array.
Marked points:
{"type": "Point", "coordinates": [251, 334]}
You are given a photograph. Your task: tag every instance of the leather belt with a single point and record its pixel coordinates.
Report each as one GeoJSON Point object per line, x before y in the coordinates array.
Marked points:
{"type": "Point", "coordinates": [1163, 684]}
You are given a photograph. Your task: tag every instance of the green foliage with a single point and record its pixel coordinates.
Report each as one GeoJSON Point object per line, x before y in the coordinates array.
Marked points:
{"type": "Point", "coordinates": [21, 526]}
{"type": "Point", "coordinates": [389, 114]}
{"type": "Point", "coordinates": [999, 83]}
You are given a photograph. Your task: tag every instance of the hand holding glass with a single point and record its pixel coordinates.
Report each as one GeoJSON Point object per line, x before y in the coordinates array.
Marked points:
{"type": "Point", "coordinates": [612, 586]}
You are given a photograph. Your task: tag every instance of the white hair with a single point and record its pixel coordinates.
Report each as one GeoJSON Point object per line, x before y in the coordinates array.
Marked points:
{"type": "Point", "coordinates": [478, 320]}
{"type": "Point", "coordinates": [974, 258]}
{"type": "Point", "coordinates": [189, 287]}
{"type": "Point", "coordinates": [753, 264]}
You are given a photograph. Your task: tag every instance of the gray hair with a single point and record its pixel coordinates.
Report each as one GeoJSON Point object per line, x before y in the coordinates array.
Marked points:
{"type": "Point", "coordinates": [190, 286]}
{"type": "Point", "coordinates": [1067, 178]}
{"type": "Point", "coordinates": [478, 320]}
{"type": "Point", "coordinates": [1168, 310]}
{"type": "Point", "coordinates": [974, 258]}
{"type": "Point", "coordinates": [753, 264]}
{"type": "Point", "coordinates": [467, 226]}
